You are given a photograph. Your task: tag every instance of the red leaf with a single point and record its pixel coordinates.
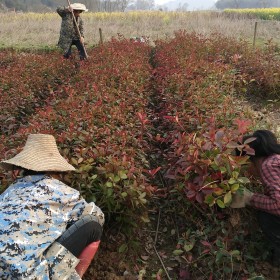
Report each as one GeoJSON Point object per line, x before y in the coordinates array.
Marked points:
{"type": "Point", "coordinates": [205, 251]}
{"type": "Point", "coordinates": [184, 274]}
{"type": "Point", "coordinates": [191, 195]}
{"type": "Point", "coordinates": [199, 198]}
{"type": "Point", "coordinates": [205, 243]}
{"type": "Point", "coordinates": [242, 125]}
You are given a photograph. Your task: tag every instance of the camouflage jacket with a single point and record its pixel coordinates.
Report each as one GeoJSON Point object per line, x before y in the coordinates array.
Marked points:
{"type": "Point", "coordinates": [34, 212]}
{"type": "Point", "coordinates": [68, 30]}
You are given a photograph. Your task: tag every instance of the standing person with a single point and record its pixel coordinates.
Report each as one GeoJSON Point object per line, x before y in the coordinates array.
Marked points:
{"type": "Point", "coordinates": [265, 164]}
{"type": "Point", "coordinates": [45, 225]}
{"type": "Point", "coordinates": [69, 35]}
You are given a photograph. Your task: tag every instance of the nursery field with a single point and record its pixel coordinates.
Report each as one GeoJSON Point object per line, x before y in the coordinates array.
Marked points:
{"type": "Point", "coordinates": [152, 130]}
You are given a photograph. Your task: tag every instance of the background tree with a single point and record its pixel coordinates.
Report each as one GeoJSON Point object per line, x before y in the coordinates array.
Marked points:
{"type": "Point", "coordinates": [50, 5]}
{"type": "Point", "coordinates": [114, 5]}
{"type": "Point", "coordinates": [183, 7]}
{"type": "Point", "coordinates": [236, 4]}
{"type": "Point", "coordinates": [141, 5]}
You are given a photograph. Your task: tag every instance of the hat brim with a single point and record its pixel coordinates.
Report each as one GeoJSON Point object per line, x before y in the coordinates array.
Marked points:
{"type": "Point", "coordinates": [40, 153]}
{"type": "Point", "coordinates": [10, 166]}
{"type": "Point", "coordinates": [79, 10]}
{"type": "Point", "coordinates": [37, 166]}
{"type": "Point", "coordinates": [37, 163]}
{"type": "Point", "coordinates": [79, 7]}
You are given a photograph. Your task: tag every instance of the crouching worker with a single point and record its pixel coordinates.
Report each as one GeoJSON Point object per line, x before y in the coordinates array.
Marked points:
{"type": "Point", "coordinates": [265, 164]}
{"type": "Point", "coordinates": [47, 231]}
{"type": "Point", "coordinates": [72, 29]}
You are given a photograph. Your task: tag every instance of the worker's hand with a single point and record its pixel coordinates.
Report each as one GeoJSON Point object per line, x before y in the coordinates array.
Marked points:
{"type": "Point", "coordinates": [238, 200]}
{"type": "Point", "coordinates": [82, 40]}
{"type": "Point", "coordinates": [241, 199]}
{"type": "Point", "coordinates": [247, 196]}
{"type": "Point", "coordinates": [70, 9]}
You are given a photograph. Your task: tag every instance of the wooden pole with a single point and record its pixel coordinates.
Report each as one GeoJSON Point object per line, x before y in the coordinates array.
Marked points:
{"type": "Point", "coordinates": [77, 27]}
{"type": "Point", "coordinates": [255, 34]}
{"type": "Point", "coordinates": [100, 36]}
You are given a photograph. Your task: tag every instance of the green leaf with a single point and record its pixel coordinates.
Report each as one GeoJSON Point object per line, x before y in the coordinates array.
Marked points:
{"type": "Point", "coordinates": [122, 174]}
{"type": "Point", "coordinates": [243, 180]}
{"type": "Point", "coordinates": [142, 195]}
{"type": "Point", "coordinates": [223, 170]}
{"type": "Point", "coordinates": [109, 184]}
{"type": "Point", "coordinates": [219, 256]}
{"type": "Point", "coordinates": [219, 243]}
{"type": "Point", "coordinates": [124, 194]}
{"type": "Point", "coordinates": [209, 199]}
{"type": "Point", "coordinates": [110, 192]}
{"type": "Point", "coordinates": [74, 161]}
{"type": "Point", "coordinates": [234, 253]}
{"type": "Point", "coordinates": [85, 167]}
{"type": "Point", "coordinates": [178, 252]}
{"type": "Point", "coordinates": [227, 198]}
{"type": "Point", "coordinates": [234, 187]}
{"type": "Point", "coordinates": [116, 179]}
{"type": "Point", "coordinates": [92, 198]}
{"type": "Point", "coordinates": [111, 176]}
{"type": "Point", "coordinates": [143, 200]}
{"type": "Point", "coordinates": [235, 174]}
{"type": "Point", "coordinates": [220, 203]}
{"type": "Point", "coordinates": [188, 247]}
{"type": "Point", "coordinates": [123, 248]}
{"type": "Point", "coordinates": [232, 181]}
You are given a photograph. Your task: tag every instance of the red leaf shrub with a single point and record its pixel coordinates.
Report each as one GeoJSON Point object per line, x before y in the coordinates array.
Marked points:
{"type": "Point", "coordinates": [197, 109]}
{"type": "Point", "coordinates": [94, 116]}
{"type": "Point", "coordinates": [26, 81]}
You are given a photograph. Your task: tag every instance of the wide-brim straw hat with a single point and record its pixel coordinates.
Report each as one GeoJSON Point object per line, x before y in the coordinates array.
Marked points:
{"type": "Point", "coordinates": [40, 153]}
{"type": "Point", "coordinates": [79, 7]}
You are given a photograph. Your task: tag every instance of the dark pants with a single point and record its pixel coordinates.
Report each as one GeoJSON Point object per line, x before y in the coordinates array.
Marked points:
{"type": "Point", "coordinates": [79, 235]}
{"type": "Point", "coordinates": [80, 48]}
{"type": "Point", "coordinates": [270, 225]}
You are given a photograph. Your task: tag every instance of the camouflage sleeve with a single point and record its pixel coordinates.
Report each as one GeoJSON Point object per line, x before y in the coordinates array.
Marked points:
{"type": "Point", "coordinates": [81, 27]}
{"type": "Point", "coordinates": [94, 210]}
{"type": "Point", "coordinates": [77, 207]}
{"type": "Point", "coordinates": [62, 11]}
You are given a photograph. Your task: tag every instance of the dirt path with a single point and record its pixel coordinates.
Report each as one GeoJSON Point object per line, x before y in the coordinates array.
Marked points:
{"type": "Point", "coordinates": [266, 113]}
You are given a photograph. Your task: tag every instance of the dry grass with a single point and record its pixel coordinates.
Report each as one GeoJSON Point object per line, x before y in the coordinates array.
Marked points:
{"type": "Point", "coordinates": [21, 30]}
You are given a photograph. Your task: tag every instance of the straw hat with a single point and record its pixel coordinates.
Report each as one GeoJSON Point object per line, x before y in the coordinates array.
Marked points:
{"type": "Point", "coordinates": [79, 7]}
{"type": "Point", "coordinates": [40, 153]}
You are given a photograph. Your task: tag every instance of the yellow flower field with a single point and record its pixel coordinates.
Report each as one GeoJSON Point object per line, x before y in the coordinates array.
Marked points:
{"type": "Point", "coordinates": [265, 13]}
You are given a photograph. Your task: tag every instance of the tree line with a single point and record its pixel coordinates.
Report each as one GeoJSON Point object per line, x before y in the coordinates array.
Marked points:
{"type": "Point", "coordinates": [244, 4]}
{"type": "Point", "coordinates": [122, 5]}
{"type": "Point", "coordinates": [50, 5]}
